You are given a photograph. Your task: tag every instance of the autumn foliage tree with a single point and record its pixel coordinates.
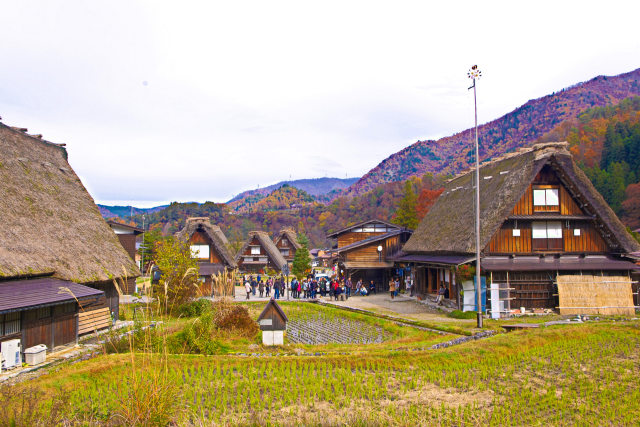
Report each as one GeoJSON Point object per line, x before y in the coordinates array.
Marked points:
{"type": "Point", "coordinates": [178, 274]}
{"type": "Point", "coordinates": [406, 215]}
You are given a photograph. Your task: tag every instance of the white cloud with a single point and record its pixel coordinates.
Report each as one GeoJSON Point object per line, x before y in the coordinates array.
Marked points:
{"type": "Point", "coordinates": [163, 101]}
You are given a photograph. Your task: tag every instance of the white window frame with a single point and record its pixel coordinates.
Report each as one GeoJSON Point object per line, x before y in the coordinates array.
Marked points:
{"type": "Point", "coordinates": [546, 230]}
{"type": "Point", "coordinates": [255, 250]}
{"type": "Point", "coordinates": [546, 197]}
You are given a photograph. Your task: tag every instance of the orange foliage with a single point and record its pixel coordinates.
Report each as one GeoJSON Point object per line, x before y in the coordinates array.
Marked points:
{"type": "Point", "coordinates": [426, 199]}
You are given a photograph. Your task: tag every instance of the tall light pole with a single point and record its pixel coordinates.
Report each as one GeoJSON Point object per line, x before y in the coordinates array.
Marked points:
{"type": "Point", "coordinates": [474, 74]}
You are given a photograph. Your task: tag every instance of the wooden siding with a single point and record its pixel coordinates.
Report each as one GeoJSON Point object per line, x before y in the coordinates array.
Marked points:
{"type": "Point", "coordinates": [128, 242]}
{"type": "Point", "coordinates": [589, 239]}
{"type": "Point", "coordinates": [90, 321]}
{"type": "Point", "coordinates": [351, 237]}
{"type": "Point", "coordinates": [365, 253]}
{"type": "Point", "coordinates": [504, 241]}
{"type": "Point", "coordinates": [292, 249]}
{"type": "Point", "coordinates": [200, 238]}
{"type": "Point", "coordinates": [568, 206]}
{"type": "Point", "coordinates": [51, 326]}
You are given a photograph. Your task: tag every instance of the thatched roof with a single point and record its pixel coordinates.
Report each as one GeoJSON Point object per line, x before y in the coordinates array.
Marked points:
{"type": "Point", "coordinates": [213, 232]}
{"type": "Point", "coordinates": [267, 244]}
{"type": "Point", "coordinates": [449, 226]}
{"type": "Point", "coordinates": [48, 221]}
{"type": "Point", "coordinates": [291, 236]}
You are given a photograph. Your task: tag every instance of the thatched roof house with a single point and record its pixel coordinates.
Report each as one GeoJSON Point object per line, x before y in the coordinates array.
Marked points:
{"type": "Point", "coordinates": [51, 225]}
{"type": "Point", "coordinates": [211, 248]}
{"type": "Point", "coordinates": [449, 226]}
{"type": "Point", "coordinates": [539, 216]}
{"type": "Point", "coordinates": [287, 243]}
{"type": "Point", "coordinates": [258, 253]}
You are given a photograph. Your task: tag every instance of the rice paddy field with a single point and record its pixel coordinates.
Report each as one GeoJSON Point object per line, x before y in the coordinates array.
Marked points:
{"type": "Point", "coordinates": [584, 374]}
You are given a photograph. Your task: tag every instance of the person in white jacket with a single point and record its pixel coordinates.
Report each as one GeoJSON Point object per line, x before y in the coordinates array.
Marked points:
{"type": "Point", "coordinates": [247, 287]}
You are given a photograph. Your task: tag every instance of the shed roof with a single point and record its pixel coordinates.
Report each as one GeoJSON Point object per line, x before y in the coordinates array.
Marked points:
{"type": "Point", "coordinates": [448, 227]}
{"type": "Point", "coordinates": [213, 232]}
{"type": "Point", "coordinates": [272, 303]}
{"type": "Point", "coordinates": [134, 230]}
{"type": "Point", "coordinates": [49, 222]}
{"type": "Point", "coordinates": [360, 224]}
{"type": "Point", "coordinates": [19, 295]}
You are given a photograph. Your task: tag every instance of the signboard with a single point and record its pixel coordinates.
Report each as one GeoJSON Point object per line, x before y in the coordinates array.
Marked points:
{"type": "Point", "coordinates": [266, 322]}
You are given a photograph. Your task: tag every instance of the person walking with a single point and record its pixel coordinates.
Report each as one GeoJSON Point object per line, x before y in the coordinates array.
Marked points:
{"type": "Point", "coordinates": [392, 288]}
{"type": "Point", "coordinates": [440, 298]}
{"type": "Point", "coordinates": [276, 289]}
{"type": "Point", "coordinates": [247, 287]}
{"type": "Point", "coordinates": [347, 287]}
{"type": "Point", "coordinates": [397, 286]}
{"type": "Point", "coordinates": [261, 288]}
{"type": "Point", "coordinates": [267, 288]}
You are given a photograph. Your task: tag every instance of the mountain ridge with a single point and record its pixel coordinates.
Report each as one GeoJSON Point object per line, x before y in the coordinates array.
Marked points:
{"type": "Point", "coordinates": [521, 127]}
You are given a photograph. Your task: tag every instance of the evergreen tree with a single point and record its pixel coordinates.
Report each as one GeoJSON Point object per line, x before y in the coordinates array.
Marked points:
{"type": "Point", "coordinates": [406, 214]}
{"type": "Point", "coordinates": [301, 260]}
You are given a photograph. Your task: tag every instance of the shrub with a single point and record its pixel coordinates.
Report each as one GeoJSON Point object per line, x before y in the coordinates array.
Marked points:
{"type": "Point", "coordinates": [458, 314]}
{"type": "Point", "coordinates": [194, 308]}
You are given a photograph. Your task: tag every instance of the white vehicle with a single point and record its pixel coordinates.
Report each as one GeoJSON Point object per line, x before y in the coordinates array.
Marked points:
{"type": "Point", "coordinates": [319, 276]}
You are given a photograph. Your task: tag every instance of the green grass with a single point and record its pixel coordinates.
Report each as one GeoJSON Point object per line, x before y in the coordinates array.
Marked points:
{"type": "Point", "coordinates": [562, 375]}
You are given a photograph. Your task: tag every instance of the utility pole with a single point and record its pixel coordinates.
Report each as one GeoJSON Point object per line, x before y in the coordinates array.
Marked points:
{"type": "Point", "coordinates": [474, 74]}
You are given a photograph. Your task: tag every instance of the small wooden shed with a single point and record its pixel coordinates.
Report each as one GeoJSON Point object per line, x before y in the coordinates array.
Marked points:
{"type": "Point", "coordinates": [273, 323]}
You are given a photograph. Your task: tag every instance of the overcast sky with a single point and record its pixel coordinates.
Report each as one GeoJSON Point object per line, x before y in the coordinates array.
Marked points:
{"type": "Point", "coordinates": [161, 101]}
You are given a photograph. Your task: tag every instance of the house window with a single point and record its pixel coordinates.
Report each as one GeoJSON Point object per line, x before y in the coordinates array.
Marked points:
{"type": "Point", "coordinates": [9, 323]}
{"type": "Point", "coordinates": [546, 235]}
{"type": "Point", "coordinates": [546, 199]}
{"type": "Point", "coordinates": [284, 252]}
{"type": "Point", "coordinates": [200, 251]}
{"type": "Point", "coordinates": [255, 250]}
{"type": "Point", "coordinates": [284, 242]}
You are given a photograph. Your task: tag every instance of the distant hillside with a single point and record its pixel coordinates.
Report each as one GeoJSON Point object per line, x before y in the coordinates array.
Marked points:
{"type": "Point", "coordinates": [126, 211]}
{"type": "Point", "coordinates": [316, 187]}
{"type": "Point", "coordinates": [519, 128]}
{"type": "Point", "coordinates": [282, 198]}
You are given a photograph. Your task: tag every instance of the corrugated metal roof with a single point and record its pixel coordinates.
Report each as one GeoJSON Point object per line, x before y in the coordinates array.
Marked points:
{"type": "Point", "coordinates": [18, 295]}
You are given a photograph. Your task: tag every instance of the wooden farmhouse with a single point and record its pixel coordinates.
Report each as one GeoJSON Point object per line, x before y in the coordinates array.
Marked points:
{"type": "Point", "coordinates": [287, 243]}
{"type": "Point", "coordinates": [541, 219]}
{"type": "Point", "coordinates": [211, 248]}
{"type": "Point", "coordinates": [365, 251]}
{"type": "Point", "coordinates": [258, 253]}
{"type": "Point", "coordinates": [58, 257]}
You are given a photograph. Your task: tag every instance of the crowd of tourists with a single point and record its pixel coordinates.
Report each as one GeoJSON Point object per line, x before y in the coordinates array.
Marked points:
{"type": "Point", "coordinates": [312, 288]}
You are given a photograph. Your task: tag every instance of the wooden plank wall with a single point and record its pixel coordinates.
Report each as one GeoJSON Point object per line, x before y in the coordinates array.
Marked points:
{"type": "Point", "coordinates": [568, 206]}
{"type": "Point", "coordinates": [351, 237]}
{"type": "Point", "coordinates": [199, 238]}
{"type": "Point", "coordinates": [589, 240]}
{"type": "Point", "coordinates": [90, 321]}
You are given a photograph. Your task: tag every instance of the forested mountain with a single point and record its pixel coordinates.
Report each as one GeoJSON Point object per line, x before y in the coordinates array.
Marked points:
{"type": "Point", "coordinates": [606, 143]}
{"type": "Point", "coordinates": [519, 128]}
{"type": "Point", "coordinates": [284, 197]}
{"type": "Point", "coordinates": [125, 211]}
{"type": "Point", "coordinates": [319, 188]}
